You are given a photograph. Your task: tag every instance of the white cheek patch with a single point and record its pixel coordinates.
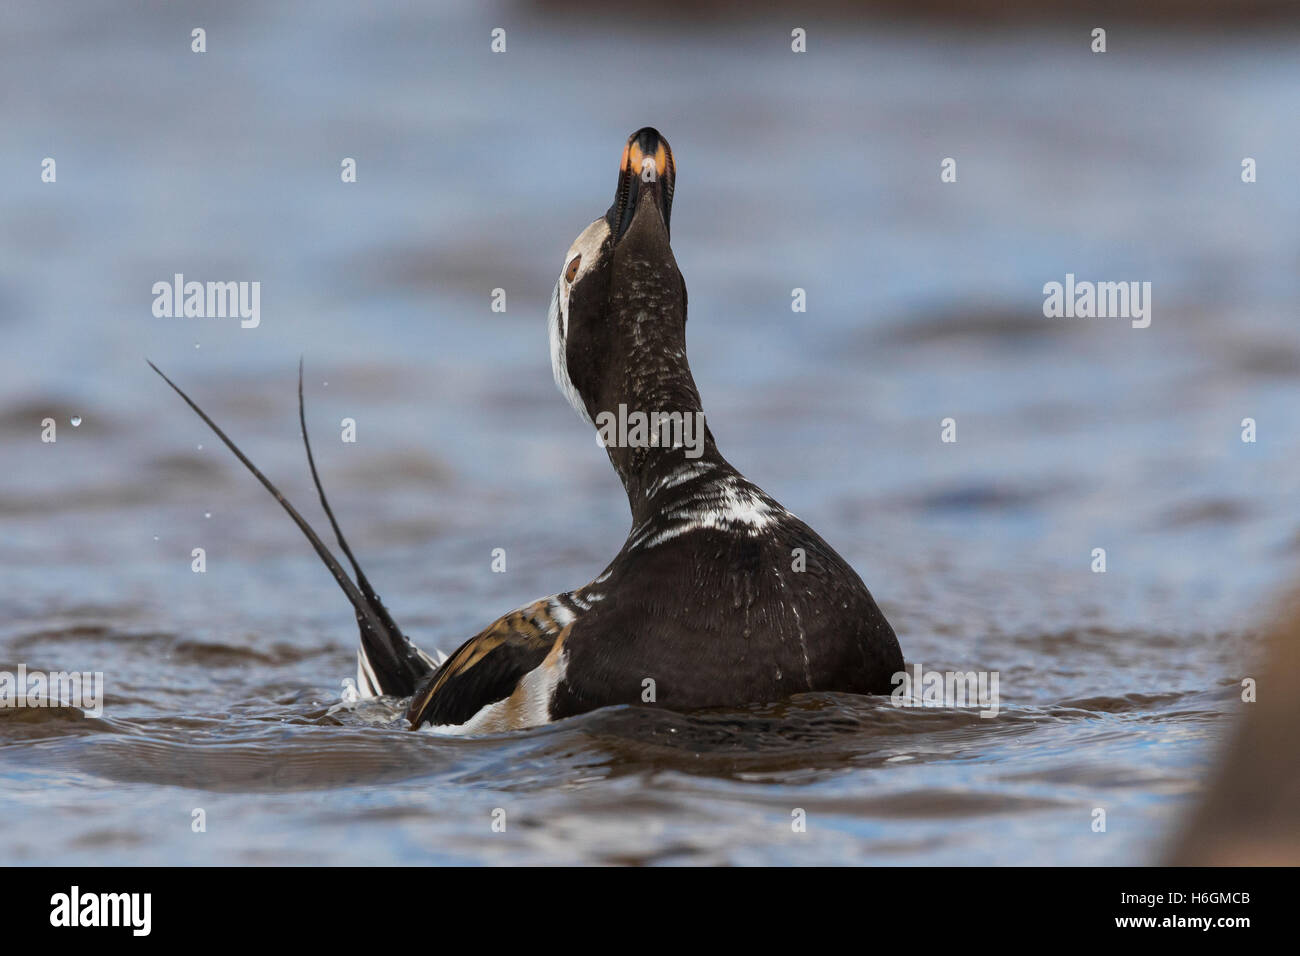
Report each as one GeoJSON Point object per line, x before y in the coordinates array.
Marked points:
{"type": "Point", "coordinates": [559, 326]}
{"type": "Point", "coordinates": [588, 245]}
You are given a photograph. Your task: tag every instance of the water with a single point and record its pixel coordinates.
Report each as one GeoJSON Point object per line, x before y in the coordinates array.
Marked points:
{"type": "Point", "coordinates": [474, 173]}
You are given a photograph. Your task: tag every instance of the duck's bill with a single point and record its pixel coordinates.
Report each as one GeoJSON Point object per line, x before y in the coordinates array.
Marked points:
{"type": "Point", "coordinates": [645, 181]}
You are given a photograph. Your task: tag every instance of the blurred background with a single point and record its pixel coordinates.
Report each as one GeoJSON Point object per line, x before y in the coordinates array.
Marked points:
{"type": "Point", "coordinates": [475, 170]}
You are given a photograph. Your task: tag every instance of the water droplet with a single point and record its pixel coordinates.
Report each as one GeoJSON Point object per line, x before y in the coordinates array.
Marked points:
{"type": "Point", "coordinates": [326, 384]}
{"type": "Point", "coordinates": [76, 420]}
{"type": "Point", "coordinates": [207, 514]}
{"type": "Point", "coordinates": [200, 448]}
{"type": "Point", "coordinates": [155, 537]}
{"type": "Point", "coordinates": [196, 344]}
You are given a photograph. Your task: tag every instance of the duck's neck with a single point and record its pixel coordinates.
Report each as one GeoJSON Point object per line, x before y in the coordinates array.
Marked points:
{"type": "Point", "coordinates": [656, 436]}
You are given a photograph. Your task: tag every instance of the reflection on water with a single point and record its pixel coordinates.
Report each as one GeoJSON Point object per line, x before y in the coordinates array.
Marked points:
{"type": "Point", "coordinates": [474, 173]}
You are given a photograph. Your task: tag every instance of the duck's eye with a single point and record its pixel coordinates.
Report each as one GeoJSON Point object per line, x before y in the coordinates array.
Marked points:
{"type": "Point", "coordinates": [572, 271]}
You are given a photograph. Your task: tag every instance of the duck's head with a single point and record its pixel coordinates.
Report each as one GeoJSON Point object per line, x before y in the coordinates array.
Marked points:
{"type": "Point", "coordinates": [618, 314]}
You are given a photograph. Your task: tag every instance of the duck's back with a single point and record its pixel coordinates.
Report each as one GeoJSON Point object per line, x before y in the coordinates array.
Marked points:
{"type": "Point", "coordinates": [701, 611]}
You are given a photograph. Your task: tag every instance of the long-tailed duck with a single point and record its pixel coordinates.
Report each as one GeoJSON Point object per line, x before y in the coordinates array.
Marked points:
{"type": "Point", "coordinates": [719, 595]}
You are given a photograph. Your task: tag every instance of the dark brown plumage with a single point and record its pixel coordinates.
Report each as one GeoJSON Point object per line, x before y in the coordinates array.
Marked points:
{"type": "Point", "coordinates": [719, 595]}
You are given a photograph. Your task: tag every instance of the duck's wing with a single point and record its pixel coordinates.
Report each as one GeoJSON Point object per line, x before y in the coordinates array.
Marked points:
{"type": "Point", "coordinates": [503, 678]}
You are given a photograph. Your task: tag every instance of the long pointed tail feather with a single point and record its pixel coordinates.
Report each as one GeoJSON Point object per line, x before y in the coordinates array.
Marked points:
{"type": "Point", "coordinates": [388, 662]}
{"type": "Point", "coordinates": [394, 661]}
